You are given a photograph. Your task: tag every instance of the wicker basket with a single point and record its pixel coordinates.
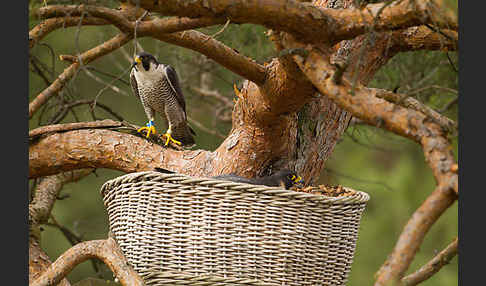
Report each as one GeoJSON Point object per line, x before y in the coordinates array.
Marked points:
{"type": "Point", "coordinates": [180, 230]}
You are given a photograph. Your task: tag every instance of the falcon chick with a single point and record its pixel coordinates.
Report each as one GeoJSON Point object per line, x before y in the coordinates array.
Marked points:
{"type": "Point", "coordinates": [157, 87]}
{"type": "Point", "coordinates": [284, 178]}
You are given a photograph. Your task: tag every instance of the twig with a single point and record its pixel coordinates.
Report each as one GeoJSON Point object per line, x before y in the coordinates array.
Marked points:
{"type": "Point", "coordinates": [339, 174]}
{"type": "Point", "coordinates": [126, 56]}
{"type": "Point", "coordinates": [418, 90]}
{"type": "Point", "coordinates": [105, 250]}
{"type": "Point", "coordinates": [369, 146]}
{"type": "Point", "coordinates": [38, 71]}
{"type": "Point", "coordinates": [433, 266]}
{"type": "Point", "coordinates": [452, 64]}
{"type": "Point", "coordinates": [108, 84]}
{"type": "Point", "coordinates": [107, 74]}
{"type": "Point", "coordinates": [449, 104]}
{"type": "Point", "coordinates": [137, 22]}
{"type": "Point", "coordinates": [69, 72]}
{"type": "Point", "coordinates": [222, 29]}
{"type": "Point", "coordinates": [53, 59]}
{"type": "Point", "coordinates": [410, 102]}
{"type": "Point", "coordinates": [215, 94]}
{"type": "Point", "coordinates": [204, 128]}
{"type": "Point", "coordinates": [99, 105]}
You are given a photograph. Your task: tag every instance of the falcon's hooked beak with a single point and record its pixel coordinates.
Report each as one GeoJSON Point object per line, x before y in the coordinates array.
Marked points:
{"type": "Point", "coordinates": [297, 179]}
{"type": "Point", "coordinates": [137, 61]}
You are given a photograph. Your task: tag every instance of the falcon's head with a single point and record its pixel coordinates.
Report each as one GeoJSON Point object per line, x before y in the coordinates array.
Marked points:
{"type": "Point", "coordinates": [288, 178]}
{"type": "Point", "coordinates": [145, 60]}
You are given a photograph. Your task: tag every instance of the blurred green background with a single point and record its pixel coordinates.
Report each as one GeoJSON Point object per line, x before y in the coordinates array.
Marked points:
{"type": "Point", "coordinates": [388, 167]}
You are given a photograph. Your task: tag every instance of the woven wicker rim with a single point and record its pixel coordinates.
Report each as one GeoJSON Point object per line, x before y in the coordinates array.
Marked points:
{"type": "Point", "coordinates": [355, 197]}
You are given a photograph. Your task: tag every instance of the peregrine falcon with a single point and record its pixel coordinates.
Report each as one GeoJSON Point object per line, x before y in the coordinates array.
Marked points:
{"type": "Point", "coordinates": [157, 87]}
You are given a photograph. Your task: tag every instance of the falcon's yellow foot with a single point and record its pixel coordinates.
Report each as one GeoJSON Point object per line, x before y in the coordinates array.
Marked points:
{"type": "Point", "coordinates": [149, 128]}
{"type": "Point", "coordinates": [169, 138]}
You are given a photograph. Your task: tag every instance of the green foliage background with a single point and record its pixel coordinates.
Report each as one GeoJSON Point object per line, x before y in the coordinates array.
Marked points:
{"type": "Point", "coordinates": [390, 168]}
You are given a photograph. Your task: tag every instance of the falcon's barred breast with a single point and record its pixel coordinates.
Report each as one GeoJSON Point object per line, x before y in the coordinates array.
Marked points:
{"type": "Point", "coordinates": [157, 87]}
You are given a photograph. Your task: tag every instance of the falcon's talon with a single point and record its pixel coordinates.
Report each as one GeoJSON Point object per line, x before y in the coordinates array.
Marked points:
{"type": "Point", "coordinates": [150, 130]}
{"type": "Point", "coordinates": [169, 138]}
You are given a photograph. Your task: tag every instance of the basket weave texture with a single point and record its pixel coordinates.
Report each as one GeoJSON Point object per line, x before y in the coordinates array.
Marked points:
{"type": "Point", "coordinates": [180, 230]}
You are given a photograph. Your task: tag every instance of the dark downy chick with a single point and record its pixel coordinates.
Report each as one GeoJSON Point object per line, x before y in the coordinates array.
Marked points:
{"type": "Point", "coordinates": [284, 178]}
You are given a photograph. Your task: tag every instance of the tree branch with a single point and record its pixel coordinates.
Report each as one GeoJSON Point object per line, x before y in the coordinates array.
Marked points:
{"type": "Point", "coordinates": [308, 22]}
{"type": "Point", "coordinates": [102, 148]}
{"type": "Point", "coordinates": [413, 234]}
{"type": "Point", "coordinates": [37, 33]}
{"type": "Point", "coordinates": [422, 38]}
{"type": "Point", "coordinates": [217, 51]}
{"type": "Point", "coordinates": [433, 266]}
{"type": "Point", "coordinates": [46, 193]}
{"type": "Point", "coordinates": [125, 21]}
{"type": "Point", "coordinates": [410, 102]}
{"type": "Point", "coordinates": [113, 16]}
{"type": "Point", "coordinates": [105, 250]}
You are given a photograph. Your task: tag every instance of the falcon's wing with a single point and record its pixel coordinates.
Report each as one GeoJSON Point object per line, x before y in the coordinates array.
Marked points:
{"type": "Point", "coordinates": [133, 83]}
{"type": "Point", "coordinates": [173, 80]}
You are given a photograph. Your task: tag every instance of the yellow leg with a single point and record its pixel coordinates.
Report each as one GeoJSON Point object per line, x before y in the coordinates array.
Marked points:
{"type": "Point", "coordinates": [169, 137]}
{"type": "Point", "coordinates": [149, 128]}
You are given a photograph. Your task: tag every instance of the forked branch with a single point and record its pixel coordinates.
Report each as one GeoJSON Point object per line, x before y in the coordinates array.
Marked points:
{"type": "Point", "coordinates": [104, 250]}
{"type": "Point", "coordinates": [433, 266]}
